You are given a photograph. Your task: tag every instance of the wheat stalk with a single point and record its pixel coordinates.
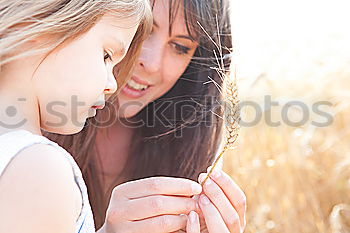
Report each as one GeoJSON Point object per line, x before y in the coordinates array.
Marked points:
{"type": "Point", "coordinates": [231, 104]}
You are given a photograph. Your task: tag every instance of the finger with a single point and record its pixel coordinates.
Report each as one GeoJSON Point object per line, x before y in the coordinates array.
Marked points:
{"type": "Point", "coordinates": [159, 224]}
{"type": "Point", "coordinates": [233, 192]}
{"type": "Point", "coordinates": [193, 223]}
{"type": "Point", "coordinates": [213, 219]}
{"type": "Point", "coordinates": [220, 201]}
{"type": "Point", "coordinates": [196, 199]}
{"type": "Point", "coordinates": [151, 206]}
{"type": "Point", "coordinates": [159, 185]}
{"type": "Point", "coordinates": [199, 212]}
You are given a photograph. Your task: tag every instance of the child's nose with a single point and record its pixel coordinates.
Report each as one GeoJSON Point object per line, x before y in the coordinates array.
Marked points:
{"type": "Point", "coordinates": [112, 85]}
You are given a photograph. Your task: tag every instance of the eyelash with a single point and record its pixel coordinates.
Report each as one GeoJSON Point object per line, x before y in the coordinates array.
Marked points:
{"type": "Point", "coordinates": [107, 56]}
{"type": "Point", "coordinates": [180, 49]}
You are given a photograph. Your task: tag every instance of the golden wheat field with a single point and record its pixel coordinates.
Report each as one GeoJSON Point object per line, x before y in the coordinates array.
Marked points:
{"type": "Point", "coordinates": [296, 177]}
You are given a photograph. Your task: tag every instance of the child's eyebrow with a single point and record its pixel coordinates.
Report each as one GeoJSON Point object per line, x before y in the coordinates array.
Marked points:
{"type": "Point", "coordinates": [119, 48]}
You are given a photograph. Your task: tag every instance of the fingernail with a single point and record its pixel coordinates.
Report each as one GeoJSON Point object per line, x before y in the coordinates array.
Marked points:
{"type": "Point", "coordinates": [204, 200]}
{"type": "Point", "coordinates": [216, 173]}
{"type": "Point", "coordinates": [192, 217]}
{"type": "Point", "coordinates": [201, 177]}
{"type": "Point", "coordinates": [209, 168]}
{"type": "Point", "coordinates": [196, 188]}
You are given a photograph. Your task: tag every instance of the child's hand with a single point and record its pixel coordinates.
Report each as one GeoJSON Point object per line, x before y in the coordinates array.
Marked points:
{"type": "Point", "coordinates": [223, 204]}
{"type": "Point", "coordinates": [157, 204]}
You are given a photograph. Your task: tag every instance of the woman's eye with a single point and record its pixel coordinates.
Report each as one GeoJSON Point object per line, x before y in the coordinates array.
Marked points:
{"type": "Point", "coordinates": [180, 49]}
{"type": "Point", "coordinates": [107, 56]}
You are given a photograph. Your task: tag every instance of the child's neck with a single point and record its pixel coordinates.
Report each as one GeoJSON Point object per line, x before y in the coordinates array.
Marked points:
{"type": "Point", "coordinates": [18, 106]}
{"type": "Point", "coordinates": [18, 113]}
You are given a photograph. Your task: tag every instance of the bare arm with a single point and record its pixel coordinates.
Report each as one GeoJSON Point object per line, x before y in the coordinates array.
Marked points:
{"type": "Point", "coordinates": [38, 193]}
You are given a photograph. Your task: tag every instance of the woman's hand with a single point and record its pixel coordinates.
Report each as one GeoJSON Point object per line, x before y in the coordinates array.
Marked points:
{"type": "Point", "coordinates": [157, 204]}
{"type": "Point", "coordinates": [193, 225]}
{"type": "Point", "coordinates": [223, 204]}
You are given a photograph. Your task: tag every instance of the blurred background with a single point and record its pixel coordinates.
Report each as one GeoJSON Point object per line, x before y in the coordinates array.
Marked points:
{"type": "Point", "coordinates": [296, 176]}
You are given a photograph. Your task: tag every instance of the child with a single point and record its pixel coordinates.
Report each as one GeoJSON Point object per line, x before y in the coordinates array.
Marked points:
{"type": "Point", "coordinates": [56, 61]}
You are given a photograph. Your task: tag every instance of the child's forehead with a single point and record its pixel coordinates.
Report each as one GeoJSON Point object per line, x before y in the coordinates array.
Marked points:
{"type": "Point", "coordinates": [115, 28]}
{"type": "Point", "coordinates": [116, 20]}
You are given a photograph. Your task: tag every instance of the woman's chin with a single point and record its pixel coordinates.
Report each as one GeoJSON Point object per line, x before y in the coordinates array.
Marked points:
{"type": "Point", "coordinates": [130, 108]}
{"type": "Point", "coordinates": [129, 112]}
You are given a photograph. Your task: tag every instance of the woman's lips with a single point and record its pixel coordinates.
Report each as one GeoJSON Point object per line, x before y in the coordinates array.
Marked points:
{"type": "Point", "coordinates": [133, 88]}
{"type": "Point", "coordinates": [138, 80]}
{"type": "Point", "coordinates": [132, 93]}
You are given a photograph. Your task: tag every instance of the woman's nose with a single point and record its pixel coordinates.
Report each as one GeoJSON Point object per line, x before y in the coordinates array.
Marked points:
{"type": "Point", "coordinates": [151, 58]}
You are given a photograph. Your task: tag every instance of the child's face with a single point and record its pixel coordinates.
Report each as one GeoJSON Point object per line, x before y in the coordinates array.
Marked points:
{"type": "Point", "coordinates": [74, 77]}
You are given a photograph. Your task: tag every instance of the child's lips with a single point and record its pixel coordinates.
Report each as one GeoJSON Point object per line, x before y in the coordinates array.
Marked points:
{"type": "Point", "coordinates": [98, 106]}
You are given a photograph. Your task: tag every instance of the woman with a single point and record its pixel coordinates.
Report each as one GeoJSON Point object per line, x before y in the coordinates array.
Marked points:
{"type": "Point", "coordinates": [153, 138]}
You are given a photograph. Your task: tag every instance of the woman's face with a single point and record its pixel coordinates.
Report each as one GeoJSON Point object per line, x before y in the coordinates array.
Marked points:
{"type": "Point", "coordinates": [72, 80]}
{"type": "Point", "coordinates": [164, 57]}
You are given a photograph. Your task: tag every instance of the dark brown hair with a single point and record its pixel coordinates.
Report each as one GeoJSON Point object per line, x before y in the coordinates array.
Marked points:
{"type": "Point", "coordinates": [186, 142]}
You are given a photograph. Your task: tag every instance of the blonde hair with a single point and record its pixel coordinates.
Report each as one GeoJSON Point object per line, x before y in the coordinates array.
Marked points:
{"type": "Point", "coordinates": [22, 21]}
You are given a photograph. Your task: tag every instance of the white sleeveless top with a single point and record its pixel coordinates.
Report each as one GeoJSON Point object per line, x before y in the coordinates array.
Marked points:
{"type": "Point", "coordinates": [13, 142]}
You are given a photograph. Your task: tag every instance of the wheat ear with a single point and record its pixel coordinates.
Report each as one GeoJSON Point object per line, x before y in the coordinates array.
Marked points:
{"type": "Point", "coordinates": [231, 117]}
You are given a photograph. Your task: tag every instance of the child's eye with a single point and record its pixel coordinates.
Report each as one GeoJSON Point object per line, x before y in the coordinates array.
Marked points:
{"type": "Point", "coordinates": [107, 56]}
{"type": "Point", "coordinates": [180, 49]}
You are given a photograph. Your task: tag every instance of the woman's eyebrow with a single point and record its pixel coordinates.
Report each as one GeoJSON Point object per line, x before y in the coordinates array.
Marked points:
{"type": "Point", "coordinates": [185, 37]}
{"type": "Point", "coordinates": [155, 24]}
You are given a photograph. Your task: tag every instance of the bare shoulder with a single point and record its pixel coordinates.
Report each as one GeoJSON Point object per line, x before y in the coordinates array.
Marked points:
{"type": "Point", "coordinates": [41, 158]}
{"type": "Point", "coordinates": [38, 190]}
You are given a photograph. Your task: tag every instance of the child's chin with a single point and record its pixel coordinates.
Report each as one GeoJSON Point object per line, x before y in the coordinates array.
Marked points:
{"type": "Point", "coordinates": [66, 130]}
